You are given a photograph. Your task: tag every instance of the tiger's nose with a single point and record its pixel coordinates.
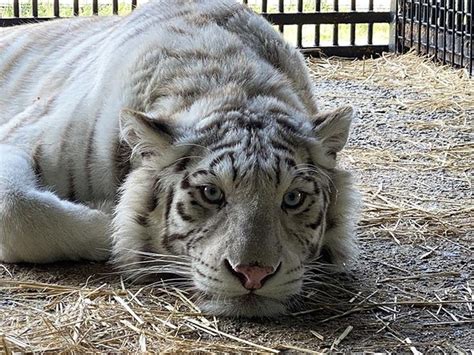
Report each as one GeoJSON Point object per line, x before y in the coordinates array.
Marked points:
{"type": "Point", "coordinates": [253, 277]}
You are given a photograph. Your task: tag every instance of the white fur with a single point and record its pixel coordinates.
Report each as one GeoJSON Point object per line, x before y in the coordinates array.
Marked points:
{"type": "Point", "coordinates": [83, 100]}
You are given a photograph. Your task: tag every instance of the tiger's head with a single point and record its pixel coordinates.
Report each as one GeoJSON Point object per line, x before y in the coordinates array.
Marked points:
{"type": "Point", "coordinates": [236, 203]}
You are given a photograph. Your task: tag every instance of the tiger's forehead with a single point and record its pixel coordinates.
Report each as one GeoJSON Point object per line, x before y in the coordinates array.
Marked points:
{"type": "Point", "coordinates": [253, 126]}
{"type": "Point", "coordinates": [251, 146]}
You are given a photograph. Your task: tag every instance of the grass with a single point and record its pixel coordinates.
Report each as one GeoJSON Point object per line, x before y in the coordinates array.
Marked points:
{"type": "Point", "coordinates": [381, 31]}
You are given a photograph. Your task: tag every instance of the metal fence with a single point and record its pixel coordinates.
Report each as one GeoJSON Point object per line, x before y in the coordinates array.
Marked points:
{"type": "Point", "coordinates": [350, 28]}
{"type": "Point", "coordinates": [443, 29]}
{"type": "Point", "coordinates": [333, 27]}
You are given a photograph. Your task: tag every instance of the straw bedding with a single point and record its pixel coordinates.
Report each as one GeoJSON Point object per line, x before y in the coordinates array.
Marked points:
{"type": "Point", "coordinates": [411, 289]}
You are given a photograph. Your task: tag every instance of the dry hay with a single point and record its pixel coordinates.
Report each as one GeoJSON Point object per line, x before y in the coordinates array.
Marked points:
{"type": "Point", "coordinates": [411, 289]}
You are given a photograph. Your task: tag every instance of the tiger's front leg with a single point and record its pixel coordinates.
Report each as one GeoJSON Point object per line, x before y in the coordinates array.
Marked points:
{"type": "Point", "coordinates": [37, 226]}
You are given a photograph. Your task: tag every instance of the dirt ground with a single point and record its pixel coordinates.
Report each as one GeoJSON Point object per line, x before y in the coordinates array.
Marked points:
{"type": "Point", "coordinates": [410, 290]}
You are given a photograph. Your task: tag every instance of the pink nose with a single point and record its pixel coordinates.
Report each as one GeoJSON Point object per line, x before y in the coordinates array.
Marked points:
{"type": "Point", "coordinates": [253, 277]}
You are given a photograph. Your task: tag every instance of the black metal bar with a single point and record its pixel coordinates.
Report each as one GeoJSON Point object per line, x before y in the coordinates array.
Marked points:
{"type": "Point", "coordinates": [346, 51]}
{"type": "Point", "coordinates": [309, 18]}
{"type": "Point", "coordinates": [370, 28]}
{"type": "Point", "coordinates": [437, 19]}
{"type": "Point", "coordinates": [299, 28]}
{"type": "Point", "coordinates": [396, 39]}
{"type": "Point", "coordinates": [56, 8]}
{"type": "Point", "coordinates": [404, 23]}
{"type": "Point", "coordinates": [353, 26]}
{"type": "Point", "coordinates": [471, 38]}
{"type": "Point", "coordinates": [115, 7]}
{"type": "Point", "coordinates": [428, 25]}
{"type": "Point", "coordinates": [317, 27]}
{"type": "Point", "coordinates": [419, 28]}
{"type": "Point", "coordinates": [335, 31]}
{"type": "Point", "coordinates": [445, 30]}
{"type": "Point", "coordinates": [459, 18]}
{"type": "Point", "coordinates": [449, 9]}
{"type": "Point", "coordinates": [412, 21]}
{"type": "Point", "coordinates": [16, 8]}
{"type": "Point", "coordinates": [281, 9]}
{"type": "Point", "coordinates": [453, 33]}
{"type": "Point", "coordinates": [34, 8]}
{"type": "Point", "coordinates": [95, 7]}
{"type": "Point", "coordinates": [134, 4]}
{"type": "Point", "coordinates": [264, 6]}
{"type": "Point", "coordinates": [463, 32]}
{"type": "Point", "coordinates": [76, 8]}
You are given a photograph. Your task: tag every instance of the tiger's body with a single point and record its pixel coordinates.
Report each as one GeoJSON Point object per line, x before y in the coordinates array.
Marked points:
{"type": "Point", "coordinates": [117, 136]}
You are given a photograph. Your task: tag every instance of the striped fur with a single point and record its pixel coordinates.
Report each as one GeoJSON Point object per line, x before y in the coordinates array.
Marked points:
{"type": "Point", "coordinates": [111, 127]}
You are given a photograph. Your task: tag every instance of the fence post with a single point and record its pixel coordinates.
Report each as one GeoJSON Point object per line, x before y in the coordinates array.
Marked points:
{"type": "Point", "coordinates": [393, 43]}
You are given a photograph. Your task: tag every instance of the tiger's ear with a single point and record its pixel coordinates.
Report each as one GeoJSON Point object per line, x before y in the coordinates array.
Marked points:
{"type": "Point", "coordinates": [332, 130]}
{"type": "Point", "coordinates": [144, 134]}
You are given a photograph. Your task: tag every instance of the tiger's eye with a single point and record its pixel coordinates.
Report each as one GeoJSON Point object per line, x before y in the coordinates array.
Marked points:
{"type": "Point", "coordinates": [212, 194]}
{"type": "Point", "coordinates": [293, 199]}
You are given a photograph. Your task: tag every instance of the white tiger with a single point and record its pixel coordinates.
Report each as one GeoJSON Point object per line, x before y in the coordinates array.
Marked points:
{"type": "Point", "coordinates": [186, 129]}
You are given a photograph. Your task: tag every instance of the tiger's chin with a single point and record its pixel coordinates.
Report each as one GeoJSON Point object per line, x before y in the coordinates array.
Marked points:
{"type": "Point", "coordinates": [245, 306]}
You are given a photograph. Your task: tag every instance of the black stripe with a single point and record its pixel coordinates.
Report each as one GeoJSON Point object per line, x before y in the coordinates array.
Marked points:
{"type": "Point", "coordinates": [69, 163]}
{"type": "Point", "coordinates": [141, 220]}
{"type": "Point", "coordinates": [37, 153]}
{"type": "Point", "coordinates": [206, 276]}
{"type": "Point", "coordinates": [182, 164]}
{"type": "Point", "coordinates": [287, 137]}
{"type": "Point", "coordinates": [185, 183]}
{"type": "Point", "coordinates": [220, 146]}
{"type": "Point", "coordinates": [316, 188]}
{"type": "Point", "coordinates": [196, 203]}
{"type": "Point", "coordinates": [331, 223]}
{"type": "Point", "coordinates": [290, 162]}
{"type": "Point", "coordinates": [121, 159]}
{"type": "Point", "coordinates": [303, 241]}
{"type": "Point", "coordinates": [234, 168]}
{"type": "Point", "coordinates": [289, 127]}
{"type": "Point", "coordinates": [196, 238]}
{"type": "Point", "coordinates": [72, 187]}
{"type": "Point", "coordinates": [169, 202]}
{"type": "Point", "coordinates": [155, 200]}
{"type": "Point", "coordinates": [308, 208]}
{"type": "Point", "coordinates": [217, 160]}
{"type": "Point", "coordinates": [214, 125]}
{"type": "Point", "coordinates": [200, 172]}
{"type": "Point", "coordinates": [88, 159]}
{"type": "Point", "coordinates": [179, 236]}
{"type": "Point", "coordinates": [317, 222]}
{"type": "Point", "coordinates": [296, 268]}
{"type": "Point", "coordinates": [220, 158]}
{"type": "Point", "coordinates": [277, 169]}
{"type": "Point", "coordinates": [182, 213]}
{"type": "Point", "coordinates": [280, 146]}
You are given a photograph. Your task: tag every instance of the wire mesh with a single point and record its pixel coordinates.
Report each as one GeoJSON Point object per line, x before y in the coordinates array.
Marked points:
{"type": "Point", "coordinates": [442, 29]}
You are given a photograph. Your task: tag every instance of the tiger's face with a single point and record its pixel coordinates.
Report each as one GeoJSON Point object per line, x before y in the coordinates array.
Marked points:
{"type": "Point", "coordinates": [240, 205]}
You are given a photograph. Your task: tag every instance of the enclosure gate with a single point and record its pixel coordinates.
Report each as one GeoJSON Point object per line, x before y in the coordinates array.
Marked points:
{"type": "Point", "coordinates": [440, 28]}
